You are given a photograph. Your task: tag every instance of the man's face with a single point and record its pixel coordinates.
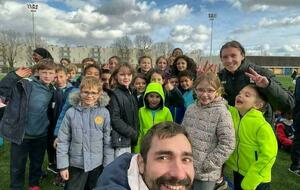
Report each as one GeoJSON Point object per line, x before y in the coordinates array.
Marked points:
{"type": "Point", "coordinates": [169, 164]}
{"type": "Point", "coordinates": [47, 76]}
{"type": "Point", "coordinates": [36, 57]}
{"type": "Point", "coordinates": [231, 58]}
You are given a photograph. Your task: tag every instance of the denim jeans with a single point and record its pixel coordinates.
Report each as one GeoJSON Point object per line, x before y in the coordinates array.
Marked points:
{"type": "Point", "coordinates": [35, 149]}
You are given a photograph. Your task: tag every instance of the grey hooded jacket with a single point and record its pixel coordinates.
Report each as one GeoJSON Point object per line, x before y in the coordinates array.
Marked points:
{"type": "Point", "coordinates": [84, 137]}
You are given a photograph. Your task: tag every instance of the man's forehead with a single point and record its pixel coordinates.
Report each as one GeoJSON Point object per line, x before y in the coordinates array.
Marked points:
{"type": "Point", "coordinates": [176, 144]}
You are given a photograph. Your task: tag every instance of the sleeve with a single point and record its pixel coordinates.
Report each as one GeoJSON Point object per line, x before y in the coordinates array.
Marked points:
{"type": "Point", "coordinates": [278, 97]}
{"type": "Point", "coordinates": [267, 154]}
{"type": "Point", "coordinates": [117, 123]}
{"type": "Point", "coordinates": [63, 143]}
{"type": "Point", "coordinates": [226, 142]}
{"type": "Point", "coordinates": [296, 111]}
{"type": "Point", "coordinates": [108, 150]}
{"type": "Point", "coordinates": [61, 116]}
{"type": "Point", "coordinates": [6, 84]}
{"type": "Point", "coordinates": [283, 139]}
{"type": "Point", "coordinates": [174, 98]}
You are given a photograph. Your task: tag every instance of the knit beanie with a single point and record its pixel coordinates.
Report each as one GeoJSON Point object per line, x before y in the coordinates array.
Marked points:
{"type": "Point", "coordinates": [43, 53]}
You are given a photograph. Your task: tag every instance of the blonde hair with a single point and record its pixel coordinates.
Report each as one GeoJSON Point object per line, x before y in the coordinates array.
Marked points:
{"type": "Point", "coordinates": [91, 82]}
{"type": "Point", "coordinates": [212, 80]}
{"type": "Point", "coordinates": [71, 67]}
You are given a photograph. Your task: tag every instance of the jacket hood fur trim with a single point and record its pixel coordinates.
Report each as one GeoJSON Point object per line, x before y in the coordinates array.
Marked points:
{"type": "Point", "coordinates": [74, 99]}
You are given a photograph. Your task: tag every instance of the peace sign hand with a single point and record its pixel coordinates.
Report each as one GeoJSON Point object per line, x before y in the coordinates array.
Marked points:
{"type": "Point", "coordinates": [259, 80]}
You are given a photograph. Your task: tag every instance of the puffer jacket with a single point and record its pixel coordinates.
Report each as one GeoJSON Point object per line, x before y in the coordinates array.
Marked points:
{"type": "Point", "coordinates": [278, 97]}
{"type": "Point", "coordinates": [84, 137]}
{"type": "Point", "coordinates": [256, 148]}
{"type": "Point", "coordinates": [123, 110]}
{"type": "Point", "coordinates": [211, 131]}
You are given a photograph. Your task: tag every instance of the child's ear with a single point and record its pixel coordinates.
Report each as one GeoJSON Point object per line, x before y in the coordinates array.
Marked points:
{"type": "Point", "coordinates": [259, 104]}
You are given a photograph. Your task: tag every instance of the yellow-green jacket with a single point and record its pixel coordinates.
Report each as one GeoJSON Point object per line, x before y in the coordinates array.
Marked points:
{"type": "Point", "coordinates": [256, 148]}
{"type": "Point", "coordinates": [148, 117]}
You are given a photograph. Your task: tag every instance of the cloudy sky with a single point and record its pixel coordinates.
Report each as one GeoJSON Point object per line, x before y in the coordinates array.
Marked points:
{"type": "Point", "coordinates": [263, 26]}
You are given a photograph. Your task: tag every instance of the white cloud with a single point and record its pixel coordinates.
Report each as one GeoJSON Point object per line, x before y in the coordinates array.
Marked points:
{"type": "Point", "coordinates": [270, 23]}
{"type": "Point", "coordinates": [88, 15]}
{"type": "Point", "coordinates": [107, 34]}
{"type": "Point", "coordinates": [263, 5]}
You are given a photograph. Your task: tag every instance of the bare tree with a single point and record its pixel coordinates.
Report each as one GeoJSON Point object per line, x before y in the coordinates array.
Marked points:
{"type": "Point", "coordinates": [122, 47]}
{"type": "Point", "coordinates": [162, 48]}
{"type": "Point", "coordinates": [143, 44]}
{"type": "Point", "coordinates": [11, 41]}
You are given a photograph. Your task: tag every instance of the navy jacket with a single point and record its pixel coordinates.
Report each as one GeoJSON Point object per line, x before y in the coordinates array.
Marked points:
{"type": "Point", "coordinates": [114, 175]}
{"type": "Point", "coordinates": [17, 93]}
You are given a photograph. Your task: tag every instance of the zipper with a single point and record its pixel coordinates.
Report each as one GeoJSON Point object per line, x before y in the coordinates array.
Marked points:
{"type": "Point", "coordinates": [238, 143]}
{"type": "Point", "coordinates": [256, 155]}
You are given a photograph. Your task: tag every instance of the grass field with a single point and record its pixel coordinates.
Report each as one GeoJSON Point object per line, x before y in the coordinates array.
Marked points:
{"type": "Point", "coordinates": [281, 177]}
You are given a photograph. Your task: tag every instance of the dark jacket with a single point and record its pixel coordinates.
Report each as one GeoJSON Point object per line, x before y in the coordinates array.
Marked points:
{"type": "Point", "coordinates": [109, 180]}
{"type": "Point", "coordinates": [123, 111]}
{"type": "Point", "coordinates": [17, 92]}
{"type": "Point", "coordinates": [277, 97]}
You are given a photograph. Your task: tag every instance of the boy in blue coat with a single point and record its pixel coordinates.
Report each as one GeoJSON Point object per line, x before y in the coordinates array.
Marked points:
{"type": "Point", "coordinates": [26, 120]}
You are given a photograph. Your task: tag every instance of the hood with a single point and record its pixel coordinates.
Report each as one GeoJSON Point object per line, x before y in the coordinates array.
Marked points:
{"type": "Point", "coordinates": [154, 87]}
{"type": "Point", "coordinates": [108, 180]}
{"type": "Point", "coordinates": [74, 99]}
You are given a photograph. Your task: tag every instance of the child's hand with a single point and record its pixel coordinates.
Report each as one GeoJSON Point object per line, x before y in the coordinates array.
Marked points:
{"type": "Point", "coordinates": [169, 86]}
{"type": "Point", "coordinates": [64, 174]}
{"type": "Point", "coordinates": [23, 72]}
{"type": "Point", "coordinates": [206, 68]}
{"type": "Point", "coordinates": [55, 143]}
{"type": "Point", "coordinates": [260, 81]}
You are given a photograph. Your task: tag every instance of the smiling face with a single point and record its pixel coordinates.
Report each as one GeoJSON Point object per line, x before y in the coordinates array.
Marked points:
{"type": "Point", "coordinates": [231, 58]}
{"type": "Point", "coordinates": [186, 82]}
{"type": "Point", "coordinates": [153, 99]}
{"type": "Point", "coordinates": [89, 96]}
{"type": "Point", "coordinates": [181, 64]}
{"type": "Point", "coordinates": [169, 164]}
{"type": "Point", "coordinates": [205, 92]}
{"type": "Point", "coordinates": [162, 64]}
{"type": "Point", "coordinates": [93, 72]}
{"type": "Point", "coordinates": [124, 76]}
{"type": "Point", "coordinates": [140, 85]}
{"type": "Point", "coordinates": [145, 65]}
{"type": "Point", "coordinates": [112, 63]}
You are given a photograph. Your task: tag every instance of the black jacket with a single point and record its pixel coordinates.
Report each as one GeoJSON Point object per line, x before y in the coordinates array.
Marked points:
{"type": "Point", "coordinates": [123, 111]}
{"type": "Point", "coordinates": [278, 97]}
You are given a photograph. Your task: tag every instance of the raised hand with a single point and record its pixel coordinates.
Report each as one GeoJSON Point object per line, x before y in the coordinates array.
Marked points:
{"type": "Point", "coordinates": [259, 80]}
{"type": "Point", "coordinates": [23, 72]}
{"type": "Point", "coordinates": [207, 68]}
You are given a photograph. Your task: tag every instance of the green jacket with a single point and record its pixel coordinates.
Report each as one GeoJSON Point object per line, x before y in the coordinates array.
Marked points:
{"type": "Point", "coordinates": [256, 148]}
{"type": "Point", "coordinates": [148, 117]}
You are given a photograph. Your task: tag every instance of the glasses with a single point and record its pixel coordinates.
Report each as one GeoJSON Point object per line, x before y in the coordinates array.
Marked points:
{"type": "Point", "coordinates": [202, 91]}
{"type": "Point", "coordinates": [86, 93]}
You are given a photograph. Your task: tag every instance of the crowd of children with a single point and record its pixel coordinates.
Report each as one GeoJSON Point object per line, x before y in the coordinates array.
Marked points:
{"type": "Point", "coordinates": [86, 121]}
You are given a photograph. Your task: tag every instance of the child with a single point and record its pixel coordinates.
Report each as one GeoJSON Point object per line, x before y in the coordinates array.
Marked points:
{"type": "Point", "coordinates": [256, 146]}
{"type": "Point", "coordinates": [105, 76]}
{"type": "Point", "coordinates": [139, 85]}
{"type": "Point", "coordinates": [71, 72]}
{"type": "Point", "coordinates": [173, 79]}
{"type": "Point", "coordinates": [153, 111]}
{"type": "Point", "coordinates": [25, 121]}
{"type": "Point", "coordinates": [209, 125]}
{"type": "Point", "coordinates": [185, 87]}
{"type": "Point", "coordinates": [65, 61]}
{"type": "Point", "coordinates": [84, 144]}
{"type": "Point", "coordinates": [186, 83]}
{"type": "Point", "coordinates": [89, 70]}
{"type": "Point", "coordinates": [182, 63]}
{"type": "Point", "coordinates": [145, 64]}
{"type": "Point", "coordinates": [113, 62]}
{"type": "Point", "coordinates": [123, 110]}
{"type": "Point", "coordinates": [285, 131]}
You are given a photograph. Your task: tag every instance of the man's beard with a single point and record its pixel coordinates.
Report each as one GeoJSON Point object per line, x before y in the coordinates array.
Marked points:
{"type": "Point", "coordinates": [173, 181]}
